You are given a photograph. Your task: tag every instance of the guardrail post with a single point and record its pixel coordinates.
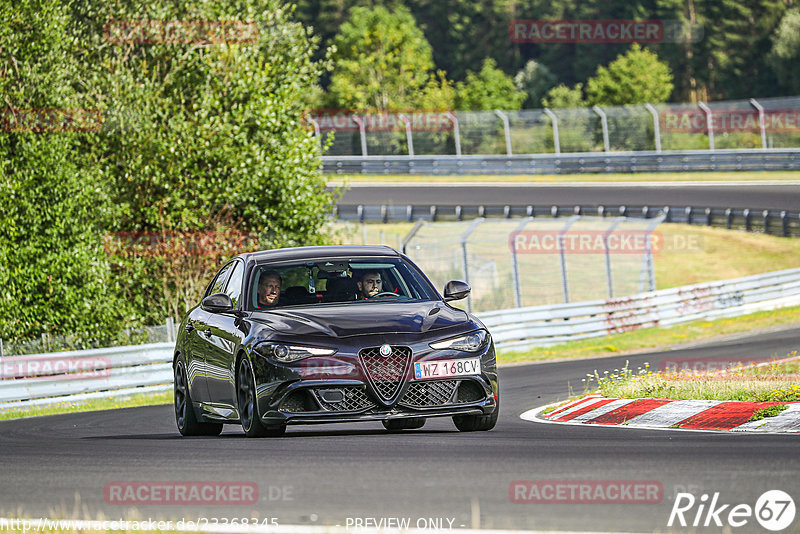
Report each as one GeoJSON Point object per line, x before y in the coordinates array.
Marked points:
{"type": "Point", "coordinates": [554, 119]}
{"type": "Point", "coordinates": [560, 244]}
{"type": "Point", "coordinates": [515, 264]}
{"type": "Point", "coordinates": [433, 213]}
{"type": "Point", "coordinates": [746, 214]}
{"type": "Point", "coordinates": [604, 125]}
{"type": "Point", "coordinates": [554, 212]}
{"type": "Point", "coordinates": [409, 213]}
{"type": "Point", "coordinates": [708, 216]}
{"type": "Point", "coordinates": [656, 126]}
{"type": "Point", "coordinates": [362, 133]}
{"type": "Point", "coordinates": [506, 129]}
{"type": "Point", "coordinates": [688, 215]}
{"type": "Point", "coordinates": [761, 125]}
{"type": "Point", "coordinates": [729, 217]}
{"type": "Point", "coordinates": [667, 213]}
{"type": "Point", "coordinates": [609, 278]}
{"type": "Point", "coordinates": [765, 215]}
{"type": "Point", "coordinates": [465, 258]}
{"type": "Point", "coordinates": [409, 136]}
{"type": "Point", "coordinates": [456, 132]}
{"type": "Point", "coordinates": [709, 124]}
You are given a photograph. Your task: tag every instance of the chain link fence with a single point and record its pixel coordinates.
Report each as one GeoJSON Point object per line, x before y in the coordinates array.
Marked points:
{"type": "Point", "coordinates": [735, 124]}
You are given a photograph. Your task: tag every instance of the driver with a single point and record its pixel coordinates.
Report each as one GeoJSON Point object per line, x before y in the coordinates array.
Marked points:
{"type": "Point", "coordinates": [370, 284]}
{"type": "Point", "coordinates": [269, 289]}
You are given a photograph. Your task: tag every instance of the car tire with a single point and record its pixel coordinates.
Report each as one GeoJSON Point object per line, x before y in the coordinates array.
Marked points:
{"type": "Point", "coordinates": [248, 407]}
{"type": "Point", "coordinates": [472, 423]}
{"type": "Point", "coordinates": [185, 418]}
{"type": "Point", "coordinates": [404, 424]}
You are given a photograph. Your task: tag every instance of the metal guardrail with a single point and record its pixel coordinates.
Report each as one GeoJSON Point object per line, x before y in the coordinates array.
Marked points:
{"type": "Point", "coordinates": [120, 371]}
{"type": "Point", "coordinates": [571, 163]}
{"type": "Point", "coordinates": [773, 222]}
{"type": "Point", "coordinates": [522, 328]}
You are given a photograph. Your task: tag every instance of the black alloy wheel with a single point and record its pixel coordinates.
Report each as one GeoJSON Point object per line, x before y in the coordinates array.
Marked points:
{"type": "Point", "coordinates": [248, 408]}
{"type": "Point", "coordinates": [187, 422]}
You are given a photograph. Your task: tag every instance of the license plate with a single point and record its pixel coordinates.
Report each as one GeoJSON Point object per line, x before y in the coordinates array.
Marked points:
{"type": "Point", "coordinates": [447, 368]}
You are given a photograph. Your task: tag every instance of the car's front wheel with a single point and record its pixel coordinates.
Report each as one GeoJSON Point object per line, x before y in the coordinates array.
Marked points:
{"type": "Point", "coordinates": [472, 423]}
{"type": "Point", "coordinates": [248, 409]}
{"type": "Point", "coordinates": [187, 422]}
{"type": "Point", "coordinates": [404, 424]}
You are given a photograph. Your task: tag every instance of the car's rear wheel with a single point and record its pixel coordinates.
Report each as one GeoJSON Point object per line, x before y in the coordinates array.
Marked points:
{"type": "Point", "coordinates": [248, 408]}
{"type": "Point", "coordinates": [187, 422]}
{"type": "Point", "coordinates": [472, 423]}
{"type": "Point", "coordinates": [404, 424]}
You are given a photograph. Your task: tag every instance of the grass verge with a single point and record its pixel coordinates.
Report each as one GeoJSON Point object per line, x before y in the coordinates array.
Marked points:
{"type": "Point", "coordinates": [654, 338]}
{"type": "Point", "coordinates": [139, 399]}
{"type": "Point", "coordinates": [772, 411]}
{"type": "Point", "coordinates": [561, 178]}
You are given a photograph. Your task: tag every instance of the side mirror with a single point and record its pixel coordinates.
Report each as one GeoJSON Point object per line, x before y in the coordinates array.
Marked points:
{"type": "Point", "coordinates": [217, 303]}
{"type": "Point", "coordinates": [456, 290]}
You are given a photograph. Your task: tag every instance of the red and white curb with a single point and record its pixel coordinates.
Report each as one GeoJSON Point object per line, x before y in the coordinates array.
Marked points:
{"type": "Point", "coordinates": [731, 416]}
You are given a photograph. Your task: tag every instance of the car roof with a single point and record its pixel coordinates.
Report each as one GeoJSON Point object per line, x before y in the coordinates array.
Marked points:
{"type": "Point", "coordinates": [328, 251]}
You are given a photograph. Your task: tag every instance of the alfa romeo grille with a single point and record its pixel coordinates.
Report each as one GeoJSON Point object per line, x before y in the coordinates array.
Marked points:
{"type": "Point", "coordinates": [434, 393]}
{"type": "Point", "coordinates": [386, 373]}
{"type": "Point", "coordinates": [354, 399]}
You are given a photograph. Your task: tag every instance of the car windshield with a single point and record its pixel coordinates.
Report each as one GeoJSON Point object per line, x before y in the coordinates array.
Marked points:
{"type": "Point", "coordinates": [336, 280]}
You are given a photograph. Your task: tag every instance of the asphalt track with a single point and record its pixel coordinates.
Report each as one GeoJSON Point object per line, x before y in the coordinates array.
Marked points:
{"type": "Point", "coordinates": [59, 465]}
{"type": "Point", "coordinates": [751, 195]}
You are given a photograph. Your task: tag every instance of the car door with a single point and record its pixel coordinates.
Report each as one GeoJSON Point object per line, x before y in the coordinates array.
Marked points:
{"type": "Point", "coordinates": [224, 336]}
{"type": "Point", "coordinates": [198, 329]}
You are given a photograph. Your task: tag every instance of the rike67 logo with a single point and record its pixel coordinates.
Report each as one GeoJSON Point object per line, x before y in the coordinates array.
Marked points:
{"type": "Point", "coordinates": [774, 510]}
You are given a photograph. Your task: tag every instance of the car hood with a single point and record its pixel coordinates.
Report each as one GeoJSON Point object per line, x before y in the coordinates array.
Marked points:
{"type": "Point", "coordinates": [362, 318]}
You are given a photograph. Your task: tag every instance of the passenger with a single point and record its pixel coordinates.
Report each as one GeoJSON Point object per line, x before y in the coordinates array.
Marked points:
{"type": "Point", "coordinates": [269, 289]}
{"type": "Point", "coordinates": [370, 284]}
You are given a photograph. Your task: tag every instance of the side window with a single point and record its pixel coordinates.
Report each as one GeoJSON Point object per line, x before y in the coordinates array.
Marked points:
{"type": "Point", "coordinates": [234, 287]}
{"type": "Point", "coordinates": [219, 281]}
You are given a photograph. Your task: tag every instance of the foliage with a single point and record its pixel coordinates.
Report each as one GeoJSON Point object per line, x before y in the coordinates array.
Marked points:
{"type": "Point", "coordinates": [54, 275]}
{"type": "Point", "coordinates": [785, 53]}
{"type": "Point", "coordinates": [489, 89]}
{"type": "Point", "coordinates": [535, 80]}
{"type": "Point", "coordinates": [564, 97]}
{"type": "Point", "coordinates": [382, 61]}
{"type": "Point", "coordinates": [637, 77]}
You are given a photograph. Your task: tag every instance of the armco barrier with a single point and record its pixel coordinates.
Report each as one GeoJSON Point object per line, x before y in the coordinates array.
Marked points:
{"type": "Point", "coordinates": [522, 328]}
{"type": "Point", "coordinates": [76, 375]}
{"type": "Point", "coordinates": [755, 159]}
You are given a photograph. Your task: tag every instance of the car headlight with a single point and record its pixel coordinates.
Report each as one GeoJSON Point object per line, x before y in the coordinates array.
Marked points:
{"type": "Point", "coordinates": [472, 342]}
{"type": "Point", "coordinates": [285, 352]}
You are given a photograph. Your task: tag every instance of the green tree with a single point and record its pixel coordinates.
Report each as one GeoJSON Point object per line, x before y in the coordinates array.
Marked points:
{"type": "Point", "coordinates": [785, 55]}
{"type": "Point", "coordinates": [562, 96]}
{"type": "Point", "coordinates": [490, 88]}
{"type": "Point", "coordinates": [534, 79]}
{"type": "Point", "coordinates": [54, 272]}
{"type": "Point", "coordinates": [637, 77]}
{"type": "Point", "coordinates": [382, 61]}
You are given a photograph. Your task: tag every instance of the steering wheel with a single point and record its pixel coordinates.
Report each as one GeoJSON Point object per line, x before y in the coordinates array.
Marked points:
{"type": "Point", "coordinates": [384, 294]}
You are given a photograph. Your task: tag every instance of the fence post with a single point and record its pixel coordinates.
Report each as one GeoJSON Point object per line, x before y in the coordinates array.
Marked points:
{"type": "Point", "coordinates": [464, 257]}
{"type": "Point", "coordinates": [761, 125]}
{"type": "Point", "coordinates": [656, 126]}
{"type": "Point", "coordinates": [604, 124]}
{"type": "Point", "coordinates": [1, 347]}
{"type": "Point", "coordinates": [362, 133]}
{"type": "Point", "coordinates": [709, 124]}
{"type": "Point", "coordinates": [506, 129]}
{"type": "Point", "coordinates": [409, 136]}
{"type": "Point", "coordinates": [560, 244]}
{"type": "Point", "coordinates": [609, 278]}
{"type": "Point", "coordinates": [170, 329]}
{"type": "Point", "coordinates": [648, 265]}
{"type": "Point", "coordinates": [554, 119]}
{"type": "Point", "coordinates": [515, 264]}
{"type": "Point", "coordinates": [317, 133]}
{"type": "Point", "coordinates": [456, 131]}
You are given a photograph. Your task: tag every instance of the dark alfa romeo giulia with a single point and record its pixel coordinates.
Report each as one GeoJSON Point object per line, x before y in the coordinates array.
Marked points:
{"type": "Point", "coordinates": [331, 334]}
